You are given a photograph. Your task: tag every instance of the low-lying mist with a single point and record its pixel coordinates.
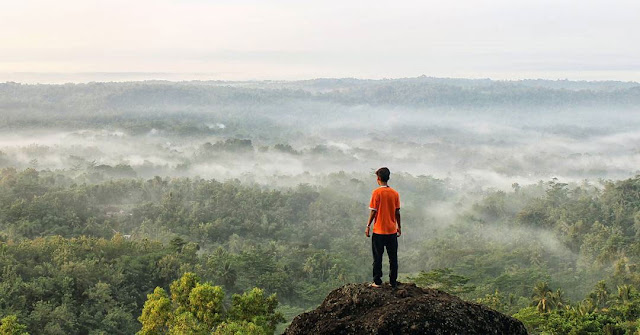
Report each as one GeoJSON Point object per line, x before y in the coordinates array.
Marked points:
{"type": "Point", "coordinates": [449, 144]}
{"type": "Point", "coordinates": [481, 154]}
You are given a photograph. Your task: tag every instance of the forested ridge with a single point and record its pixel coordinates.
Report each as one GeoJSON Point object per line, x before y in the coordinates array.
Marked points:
{"type": "Point", "coordinates": [81, 258]}
{"type": "Point", "coordinates": [93, 104]}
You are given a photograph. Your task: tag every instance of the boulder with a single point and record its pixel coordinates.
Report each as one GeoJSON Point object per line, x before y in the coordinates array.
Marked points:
{"type": "Point", "coordinates": [408, 309]}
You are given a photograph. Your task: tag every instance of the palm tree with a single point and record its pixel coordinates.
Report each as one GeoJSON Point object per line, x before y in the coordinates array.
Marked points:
{"type": "Point", "coordinates": [600, 295]}
{"type": "Point", "coordinates": [228, 274]}
{"type": "Point", "coordinates": [541, 296]}
{"type": "Point", "coordinates": [557, 299]}
{"type": "Point", "coordinates": [587, 306]}
{"type": "Point", "coordinates": [624, 293]}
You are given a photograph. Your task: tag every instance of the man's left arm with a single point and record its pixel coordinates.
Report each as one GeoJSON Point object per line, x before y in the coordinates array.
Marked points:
{"type": "Point", "coordinates": [398, 215]}
{"type": "Point", "coordinates": [398, 221]}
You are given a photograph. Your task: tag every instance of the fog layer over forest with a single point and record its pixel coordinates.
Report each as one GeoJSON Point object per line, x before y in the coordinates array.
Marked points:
{"type": "Point", "coordinates": [506, 183]}
{"type": "Point", "coordinates": [472, 132]}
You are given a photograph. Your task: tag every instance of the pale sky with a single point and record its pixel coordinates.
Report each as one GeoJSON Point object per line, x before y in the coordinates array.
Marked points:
{"type": "Point", "coordinates": [245, 39]}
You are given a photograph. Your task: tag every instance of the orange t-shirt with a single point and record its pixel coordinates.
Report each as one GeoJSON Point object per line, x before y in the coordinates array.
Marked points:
{"type": "Point", "coordinates": [385, 201]}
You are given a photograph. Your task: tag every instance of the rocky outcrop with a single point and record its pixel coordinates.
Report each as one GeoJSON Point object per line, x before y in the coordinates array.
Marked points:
{"type": "Point", "coordinates": [361, 309]}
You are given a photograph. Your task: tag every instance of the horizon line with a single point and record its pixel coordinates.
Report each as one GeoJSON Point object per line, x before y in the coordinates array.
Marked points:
{"type": "Point", "coordinates": [258, 80]}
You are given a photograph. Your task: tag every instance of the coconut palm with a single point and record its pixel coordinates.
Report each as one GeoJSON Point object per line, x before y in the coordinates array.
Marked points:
{"type": "Point", "coordinates": [624, 293]}
{"type": "Point", "coordinates": [228, 274]}
{"type": "Point", "coordinates": [541, 297]}
{"type": "Point", "coordinates": [600, 295]}
{"type": "Point", "coordinates": [557, 299]}
{"type": "Point", "coordinates": [587, 306]}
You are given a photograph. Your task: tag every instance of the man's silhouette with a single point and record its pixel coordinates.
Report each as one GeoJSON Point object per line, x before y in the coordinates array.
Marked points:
{"type": "Point", "coordinates": [385, 216]}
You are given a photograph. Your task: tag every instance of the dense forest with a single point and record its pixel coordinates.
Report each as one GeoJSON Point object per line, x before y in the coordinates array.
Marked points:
{"type": "Point", "coordinates": [82, 257]}
{"type": "Point", "coordinates": [230, 207]}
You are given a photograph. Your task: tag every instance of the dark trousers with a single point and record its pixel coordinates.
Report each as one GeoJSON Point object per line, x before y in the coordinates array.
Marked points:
{"type": "Point", "coordinates": [378, 243]}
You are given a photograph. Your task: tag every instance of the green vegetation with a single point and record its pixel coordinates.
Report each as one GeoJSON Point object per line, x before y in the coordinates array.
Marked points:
{"type": "Point", "coordinates": [101, 258]}
{"type": "Point", "coordinates": [9, 326]}
{"type": "Point", "coordinates": [111, 192]}
{"type": "Point", "coordinates": [197, 308]}
{"type": "Point", "coordinates": [599, 313]}
{"type": "Point", "coordinates": [443, 279]}
{"type": "Point", "coordinates": [81, 258]}
{"type": "Point", "coordinates": [135, 235]}
{"type": "Point", "coordinates": [561, 258]}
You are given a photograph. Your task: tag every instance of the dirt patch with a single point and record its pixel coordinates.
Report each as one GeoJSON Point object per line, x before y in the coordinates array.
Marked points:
{"type": "Point", "coordinates": [360, 309]}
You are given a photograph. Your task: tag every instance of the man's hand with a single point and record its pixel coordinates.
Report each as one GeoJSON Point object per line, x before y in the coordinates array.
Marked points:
{"type": "Point", "coordinates": [399, 232]}
{"type": "Point", "coordinates": [366, 232]}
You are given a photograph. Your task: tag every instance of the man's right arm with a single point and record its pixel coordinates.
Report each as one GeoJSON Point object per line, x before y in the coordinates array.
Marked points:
{"type": "Point", "coordinates": [372, 217]}
{"type": "Point", "coordinates": [373, 206]}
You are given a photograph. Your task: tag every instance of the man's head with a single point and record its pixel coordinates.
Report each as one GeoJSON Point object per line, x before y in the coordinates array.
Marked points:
{"type": "Point", "coordinates": [383, 174]}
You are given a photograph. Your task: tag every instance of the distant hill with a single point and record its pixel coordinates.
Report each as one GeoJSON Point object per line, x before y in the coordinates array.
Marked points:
{"type": "Point", "coordinates": [419, 92]}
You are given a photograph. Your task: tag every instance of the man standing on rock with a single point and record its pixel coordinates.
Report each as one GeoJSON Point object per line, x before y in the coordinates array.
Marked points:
{"type": "Point", "coordinates": [385, 216]}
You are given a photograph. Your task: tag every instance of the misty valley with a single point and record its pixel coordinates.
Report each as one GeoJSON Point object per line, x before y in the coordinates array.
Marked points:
{"type": "Point", "coordinates": [124, 203]}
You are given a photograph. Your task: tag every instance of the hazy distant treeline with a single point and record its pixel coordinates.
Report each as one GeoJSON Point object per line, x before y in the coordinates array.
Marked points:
{"type": "Point", "coordinates": [110, 100]}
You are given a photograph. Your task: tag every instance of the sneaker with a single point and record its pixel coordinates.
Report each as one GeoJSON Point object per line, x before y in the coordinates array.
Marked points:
{"type": "Point", "coordinates": [395, 285]}
{"type": "Point", "coordinates": [375, 285]}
